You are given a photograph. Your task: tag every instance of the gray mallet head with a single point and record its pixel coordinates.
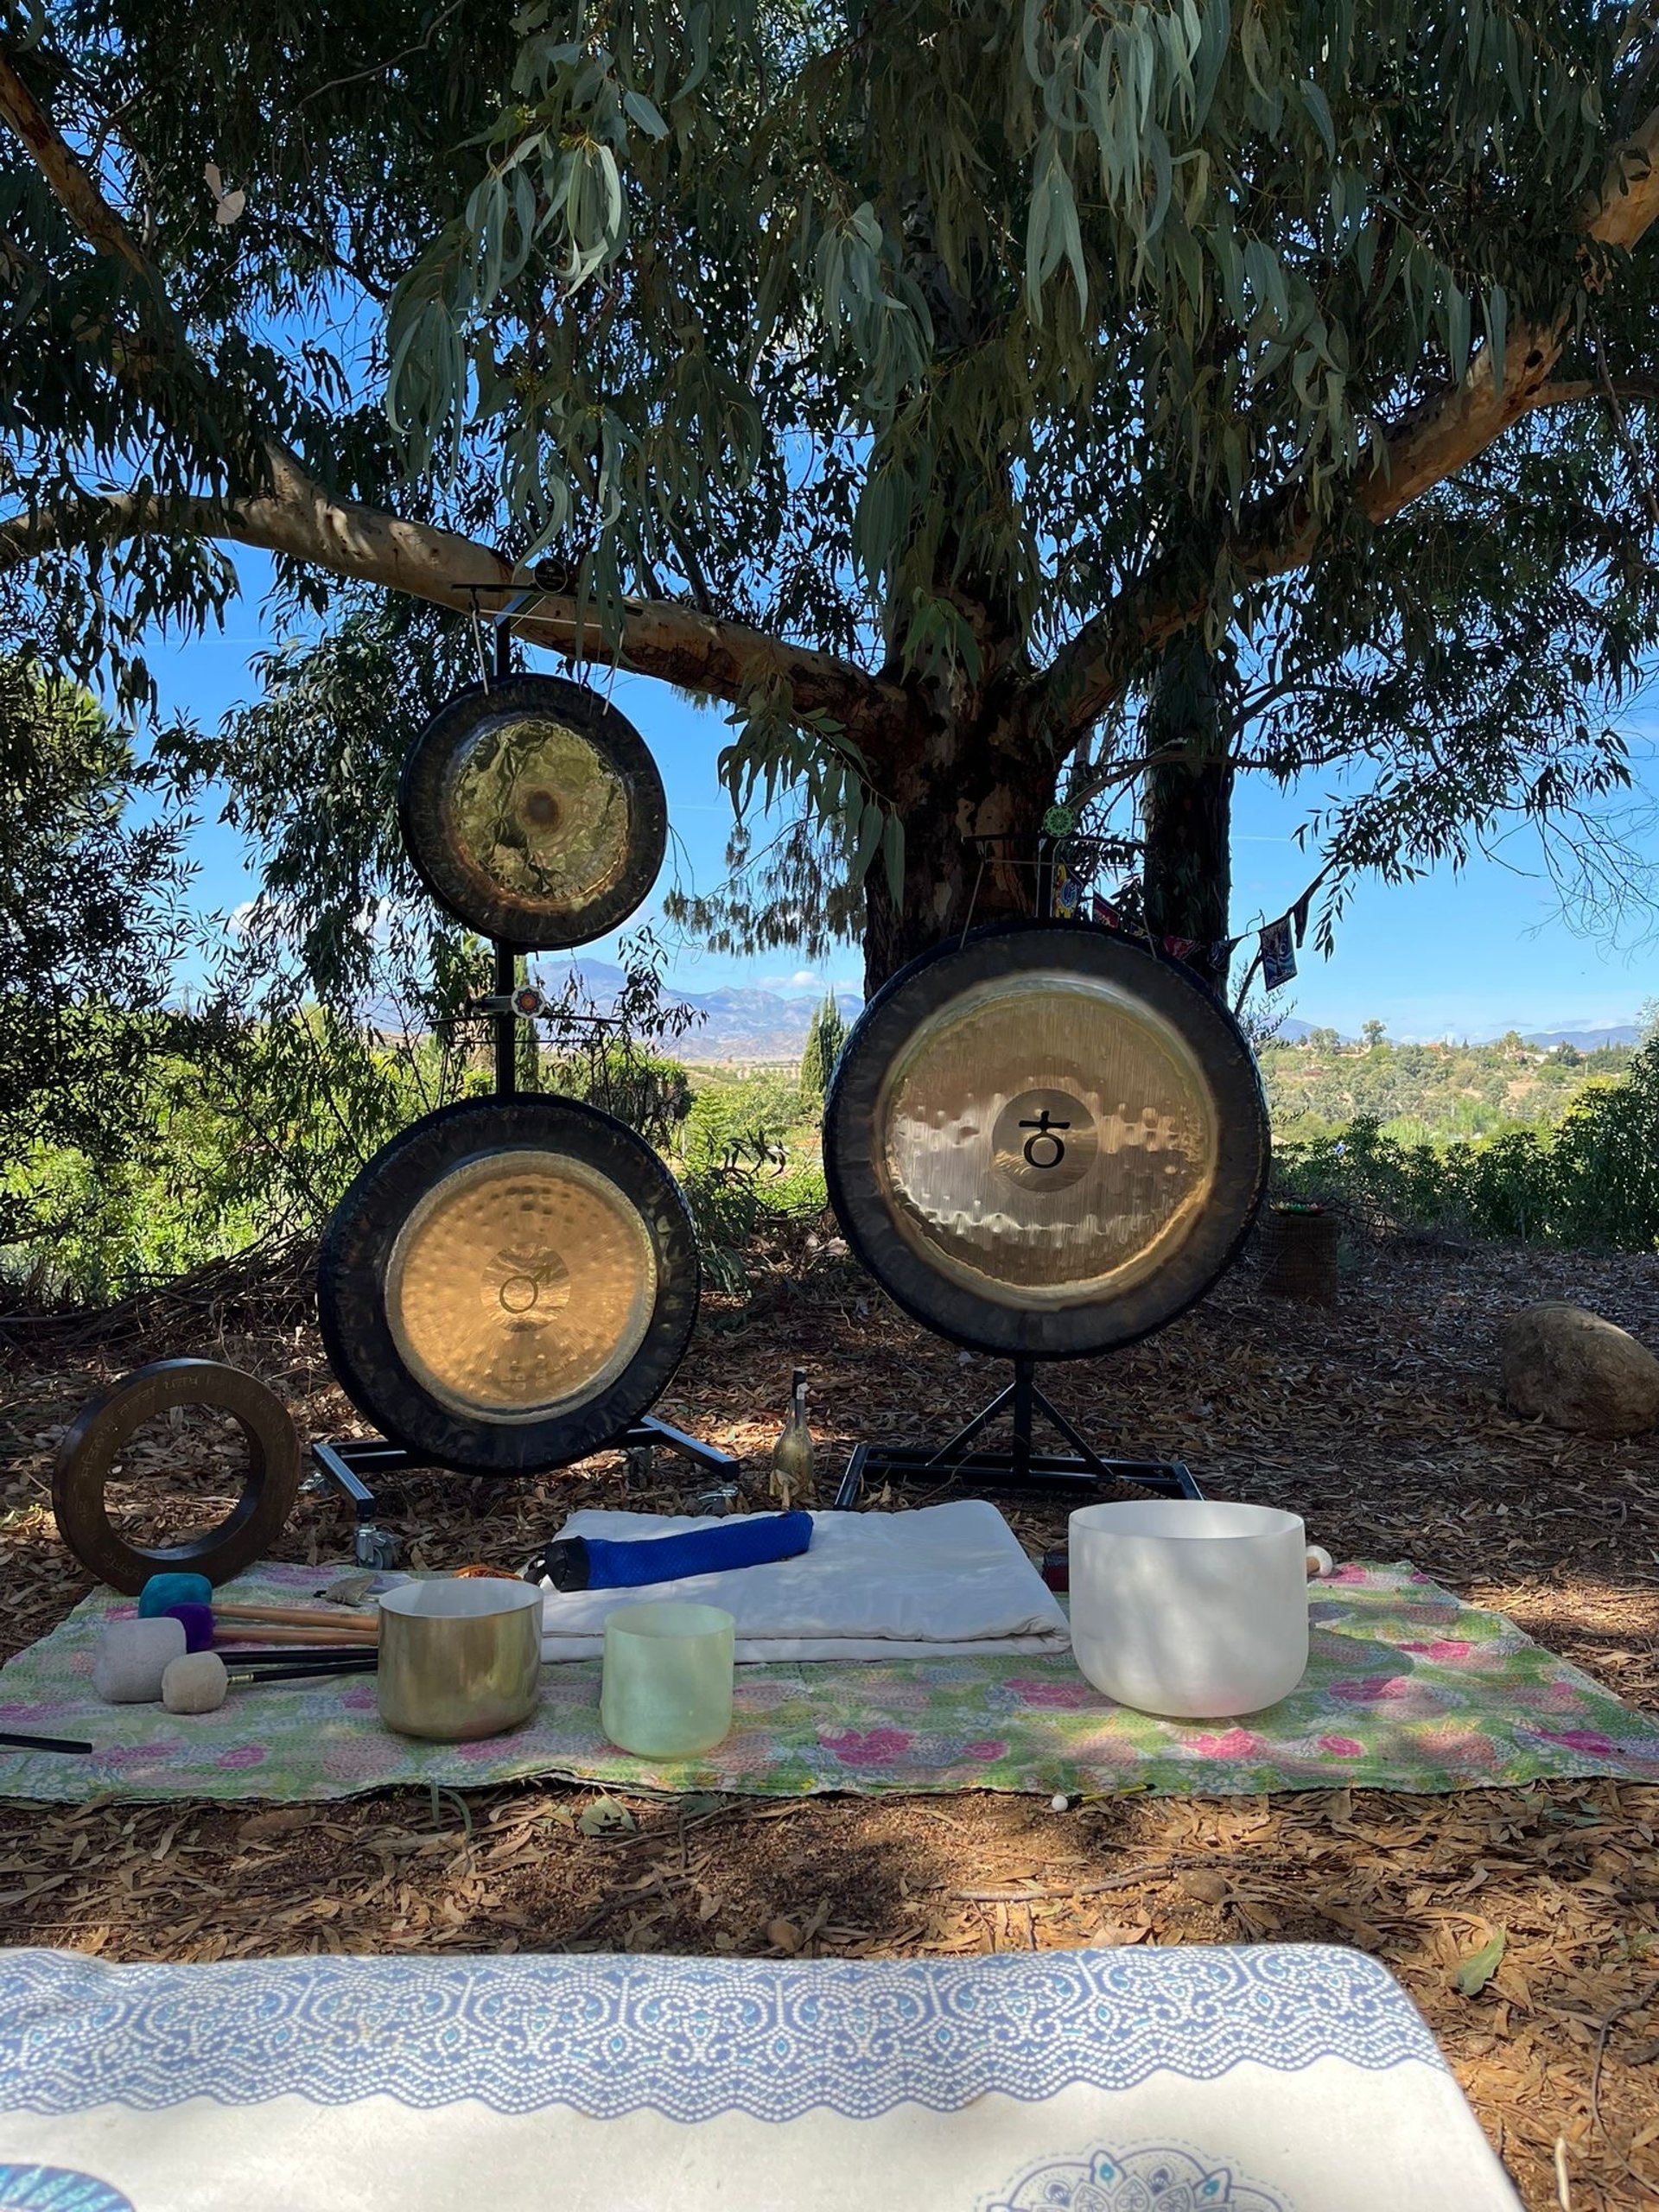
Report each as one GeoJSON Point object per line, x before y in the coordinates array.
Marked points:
{"type": "Point", "coordinates": [132, 1656]}
{"type": "Point", "coordinates": [197, 1682]}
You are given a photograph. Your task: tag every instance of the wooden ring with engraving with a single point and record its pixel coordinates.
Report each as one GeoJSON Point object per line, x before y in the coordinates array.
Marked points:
{"type": "Point", "coordinates": [103, 1428]}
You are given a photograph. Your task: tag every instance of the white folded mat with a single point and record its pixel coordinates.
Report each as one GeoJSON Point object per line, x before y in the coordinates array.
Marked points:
{"type": "Point", "coordinates": [944, 1581]}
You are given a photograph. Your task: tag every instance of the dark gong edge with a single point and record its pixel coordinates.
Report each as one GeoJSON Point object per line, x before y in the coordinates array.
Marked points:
{"type": "Point", "coordinates": [420, 798]}
{"type": "Point", "coordinates": [107, 1423]}
{"type": "Point", "coordinates": [357, 1246]}
{"type": "Point", "coordinates": [950, 1309]}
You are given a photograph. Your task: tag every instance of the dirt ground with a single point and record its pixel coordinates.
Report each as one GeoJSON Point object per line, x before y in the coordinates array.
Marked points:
{"type": "Point", "coordinates": [1376, 1418]}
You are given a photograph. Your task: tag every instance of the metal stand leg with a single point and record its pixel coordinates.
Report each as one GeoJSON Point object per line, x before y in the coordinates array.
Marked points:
{"type": "Point", "coordinates": [1021, 1468]}
{"type": "Point", "coordinates": [505, 1025]}
{"type": "Point", "coordinates": [351, 1463]}
{"type": "Point", "coordinates": [345, 1464]}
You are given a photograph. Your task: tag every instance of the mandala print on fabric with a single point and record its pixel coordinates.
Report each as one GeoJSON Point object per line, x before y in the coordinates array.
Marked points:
{"type": "Point", "coordinates": [1155, 2180]}
{"type": "Point", "coordinates": [55, 2188]}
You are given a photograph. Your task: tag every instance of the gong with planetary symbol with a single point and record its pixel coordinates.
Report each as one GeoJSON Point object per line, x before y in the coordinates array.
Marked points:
{"type": "Point", "coordinates": [533, 812]}
{"type": "Point", "coordinates": [1044, 1141]}
{"type": "Point", "coordinates": [508, 1284]}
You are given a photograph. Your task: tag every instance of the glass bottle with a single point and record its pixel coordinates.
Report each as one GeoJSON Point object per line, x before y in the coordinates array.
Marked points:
{"type": "Point", "coordinates": [792, 1480]}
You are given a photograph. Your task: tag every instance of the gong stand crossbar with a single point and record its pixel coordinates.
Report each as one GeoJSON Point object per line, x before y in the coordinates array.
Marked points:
{"type": "Point", "coordinates": [352, 1463]}
{"type": "Point", "coordinates": [1020, 1467]}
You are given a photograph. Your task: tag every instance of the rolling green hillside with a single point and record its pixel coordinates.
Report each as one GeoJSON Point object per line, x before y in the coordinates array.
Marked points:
{"type": "Point", "coordinates": [1426, 1092]}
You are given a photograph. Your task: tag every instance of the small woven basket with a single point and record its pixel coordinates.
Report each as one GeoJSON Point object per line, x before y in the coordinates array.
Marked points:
{"type": "Point", "coordinates": [1301, 1252]}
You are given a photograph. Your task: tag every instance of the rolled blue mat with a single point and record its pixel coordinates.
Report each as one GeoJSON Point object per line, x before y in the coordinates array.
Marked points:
{"type": "Point", "coordinates": [609, 1563]}
{"type": "Point", "coordinates": [163, 1592]}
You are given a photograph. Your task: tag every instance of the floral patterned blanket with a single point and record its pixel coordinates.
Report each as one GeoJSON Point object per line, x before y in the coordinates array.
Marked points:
{"type": "Point", "coordinates": [1407, 1688]}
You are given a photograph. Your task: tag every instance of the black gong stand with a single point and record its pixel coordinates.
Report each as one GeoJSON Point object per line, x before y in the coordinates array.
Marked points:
{"type": "Point", "coordinates": [1076, 1473]}
{"type": "Point", "coordinates": [351, 1463]}
{"type": "Point", "coordinates": [348, 1462]}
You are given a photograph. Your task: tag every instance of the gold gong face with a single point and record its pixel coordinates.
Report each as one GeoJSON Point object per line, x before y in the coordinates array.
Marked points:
{"type": "Point", "coordinates": [534, 811]}
{"type": "Point", "coordinates": [1046, 1139]}
{"type": "Point", "coordinates": [523, 1283]}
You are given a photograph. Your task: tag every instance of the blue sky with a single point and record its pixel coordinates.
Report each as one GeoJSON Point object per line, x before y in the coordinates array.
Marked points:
{"type": "Point", "coordinates": [1464, 955]}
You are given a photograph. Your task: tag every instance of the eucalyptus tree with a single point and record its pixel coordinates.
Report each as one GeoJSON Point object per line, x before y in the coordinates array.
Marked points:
{"type": "Point", "coordinates": [909, 377]}
{"type": "Point", "coordinates": [91, 926]}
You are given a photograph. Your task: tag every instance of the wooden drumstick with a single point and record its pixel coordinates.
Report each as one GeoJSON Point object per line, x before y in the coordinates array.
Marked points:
{"type": "Point", "coordinates": [299, 1617]}
{"type": "Point", "coordinates": [203, 1628]}
{"type": "Point", "coordinates": [326, 1632]}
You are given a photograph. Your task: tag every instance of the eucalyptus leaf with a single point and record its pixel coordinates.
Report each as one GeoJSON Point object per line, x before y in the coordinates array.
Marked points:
{"type": "Point", "coordinates": [1478, 1969]}
{"type": "Point", "coordinates": [931, 373]}
{"type": "Point", "coordinates": [605, 1816]}
{"type": "Point", "coordinates": [643, 112]}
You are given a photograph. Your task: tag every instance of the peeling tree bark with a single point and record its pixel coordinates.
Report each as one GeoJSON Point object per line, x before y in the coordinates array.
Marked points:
{"type": "Point", "coordinates": [971, 793]}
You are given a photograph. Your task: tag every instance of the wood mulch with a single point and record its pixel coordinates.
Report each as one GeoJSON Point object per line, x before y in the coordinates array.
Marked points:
{"type": "Point", "coordinates": [1377, 1419]}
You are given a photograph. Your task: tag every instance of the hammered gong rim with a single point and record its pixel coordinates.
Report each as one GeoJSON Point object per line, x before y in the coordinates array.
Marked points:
{"type": "Point", "coordinates": [1045, 1141]}
{"type": "Point", "coordinates": [467, 1305]}
{"type": "Point", "coordinates": [533, 812]}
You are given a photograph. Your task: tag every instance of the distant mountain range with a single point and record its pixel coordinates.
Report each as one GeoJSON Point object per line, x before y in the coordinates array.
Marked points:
{"type": "Point", "coordinates": [1585, 1040]}
{"type": "Point", "coordinates": [759, 1023]}
{"type": "Point", "coordinates": [732, 1027]}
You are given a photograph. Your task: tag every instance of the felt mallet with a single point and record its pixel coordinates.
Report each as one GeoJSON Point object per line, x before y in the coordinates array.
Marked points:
{"type": "Point", "coordinates": [201, 1681]}
{"type": "Point", "coordinates": [163, 1592]}
{"type": "Point", "coordinates": [133, 1656]}
{"type": "Point", "coordinates": [175, 1593]}
{"type": "Point", "coordinates": [205, 1626]}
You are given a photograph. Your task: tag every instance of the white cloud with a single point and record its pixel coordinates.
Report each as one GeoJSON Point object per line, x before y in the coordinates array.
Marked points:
{"type": "Point", "coordinates": [803, 975]}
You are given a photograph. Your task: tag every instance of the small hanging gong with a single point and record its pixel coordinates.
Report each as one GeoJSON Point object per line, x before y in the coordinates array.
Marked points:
{"type": "Point", "coordinates": [508, 1284]}
{"type": "Point", "coordinates": [1044, 1141]}
{"type": "Point", "coordinates": [533, 812]}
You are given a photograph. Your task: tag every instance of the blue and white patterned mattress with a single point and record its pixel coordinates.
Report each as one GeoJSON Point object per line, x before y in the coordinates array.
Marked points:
{"type": "Point", "coordinates": [1282, 2078]}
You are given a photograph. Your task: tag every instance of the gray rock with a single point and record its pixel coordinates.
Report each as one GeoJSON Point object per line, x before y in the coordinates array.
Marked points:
{"type": "Point", "coordinates": [1572, 1369]}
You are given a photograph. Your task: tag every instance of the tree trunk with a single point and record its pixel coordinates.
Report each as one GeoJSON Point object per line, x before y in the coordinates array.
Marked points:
{"type": "Point", "coordinates": [971, 800]}
{"type": "Point", "coordinates": [1187, 806]}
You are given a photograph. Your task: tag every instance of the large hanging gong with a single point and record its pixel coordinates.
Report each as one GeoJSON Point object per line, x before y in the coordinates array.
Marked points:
{"type": "Point", "coordinates": [508, 1284]}
{"type": "Point", "coordinates": [1044, 1141]}
{"type": "Point", "coordinates": [533, 812]}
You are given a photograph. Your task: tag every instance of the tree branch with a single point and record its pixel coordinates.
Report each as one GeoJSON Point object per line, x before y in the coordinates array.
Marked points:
{"type": "Point", "coordinates": [296, 517]}
{"type": "Point", "coordinates": [1430, 443]}
{"type": "Point", "coordinates": [82, 201]}
{"type": "Point", "coordinates": [293, 514]}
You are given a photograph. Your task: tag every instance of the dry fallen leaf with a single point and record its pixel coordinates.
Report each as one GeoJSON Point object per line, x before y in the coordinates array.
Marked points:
{"type": "Point", "coordinates": [783, 1935]}
{"type": "Point", "coordinates": [1200, 1883]}
{"type": "Point", "coordinates": [606, 1817]}
{"type": "Point", "coordinates": [1472, 1976]}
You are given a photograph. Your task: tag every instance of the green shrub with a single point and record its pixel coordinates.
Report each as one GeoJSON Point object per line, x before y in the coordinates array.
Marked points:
{"type": "Point", "coordinates": [1593, 1181]}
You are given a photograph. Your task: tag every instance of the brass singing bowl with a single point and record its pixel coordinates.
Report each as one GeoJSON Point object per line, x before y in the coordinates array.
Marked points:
{"type": "Point", "coordinates": [459, 1659]}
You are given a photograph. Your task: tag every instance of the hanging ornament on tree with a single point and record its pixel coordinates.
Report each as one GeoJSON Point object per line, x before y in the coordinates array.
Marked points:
{"type": "Point", "coordinates": [1278, 954]}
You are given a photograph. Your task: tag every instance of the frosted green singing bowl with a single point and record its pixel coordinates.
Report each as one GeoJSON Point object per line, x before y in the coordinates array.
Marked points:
{"type": "Point", "coordinates": [667, 1689]}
